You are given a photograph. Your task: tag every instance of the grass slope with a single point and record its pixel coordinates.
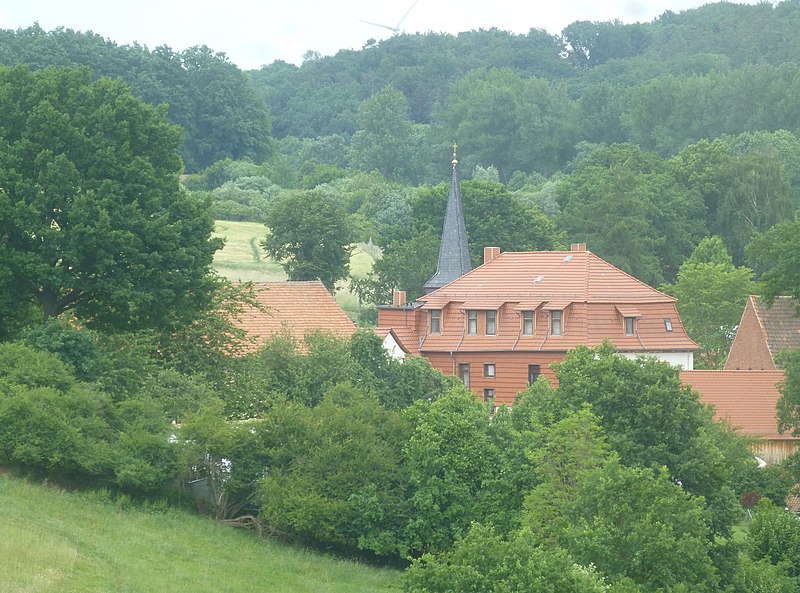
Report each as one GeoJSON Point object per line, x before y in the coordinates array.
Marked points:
{"type": "Point", "coordinates": [53, 541]}
{"type": "Point", "coordinates": [242, 259]}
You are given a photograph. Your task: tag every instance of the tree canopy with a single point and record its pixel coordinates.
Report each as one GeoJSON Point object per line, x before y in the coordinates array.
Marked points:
{"type": "Point", "coordinates": [92, 217]}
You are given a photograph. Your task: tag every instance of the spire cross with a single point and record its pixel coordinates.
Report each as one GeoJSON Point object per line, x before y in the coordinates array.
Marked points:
{"type": "Point", "coordinates": [455, 162]}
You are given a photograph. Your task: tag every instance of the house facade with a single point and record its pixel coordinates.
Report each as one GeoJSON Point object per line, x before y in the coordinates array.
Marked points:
{"type": "Point", "coordinates": [499, 326]}
{"type": "Point", "coordinates": [763, 332]}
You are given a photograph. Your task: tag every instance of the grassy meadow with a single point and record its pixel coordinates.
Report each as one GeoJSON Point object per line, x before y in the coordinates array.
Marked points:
{"type": "Point", "coordinates": [58, 542]}
{"type": "Point", "coordinates": [243, 259]}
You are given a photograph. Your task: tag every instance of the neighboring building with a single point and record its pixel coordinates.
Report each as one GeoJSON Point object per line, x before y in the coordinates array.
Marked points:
{"type": "Point", "coordinates": [293, 308]}
{"type": "Point", "coordinates": [746, 399]}
{"type": "Point", "coordinates": [764, 332]}
{"type": "Point", "coordinates": [503, 324]}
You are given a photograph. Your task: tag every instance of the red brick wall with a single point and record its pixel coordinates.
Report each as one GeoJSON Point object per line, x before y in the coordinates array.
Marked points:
{"type": "Point", "coordinates": [511, 370]}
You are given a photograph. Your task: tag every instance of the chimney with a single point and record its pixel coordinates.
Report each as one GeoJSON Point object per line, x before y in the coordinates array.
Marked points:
{"type": "Point", "coordinates": [489, 253]}
{"type": "Point", "coordinates": [399, 298]}
{"type": "Point", "coordinates": [577, 247]}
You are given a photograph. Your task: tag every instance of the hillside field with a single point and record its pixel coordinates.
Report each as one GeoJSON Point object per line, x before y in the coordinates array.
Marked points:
{"type": "Point", "coordinates": [55, 541]}
{"type": "Point", "coordinates": [243, 259]}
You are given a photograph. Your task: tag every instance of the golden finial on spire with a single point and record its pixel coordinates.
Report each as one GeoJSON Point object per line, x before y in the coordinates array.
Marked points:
{"type": "Point", "coordinates": [455, 162]}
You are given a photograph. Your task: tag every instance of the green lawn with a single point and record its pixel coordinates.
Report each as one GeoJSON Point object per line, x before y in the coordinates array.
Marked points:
{"type": "Point", "coordinates": [242, 259]}
{"type": "Point", "coordinates": [53, 541]}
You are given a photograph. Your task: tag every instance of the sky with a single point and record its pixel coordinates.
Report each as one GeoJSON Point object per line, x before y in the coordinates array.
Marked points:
{"type": "Point", "coordinates": [253, 33]}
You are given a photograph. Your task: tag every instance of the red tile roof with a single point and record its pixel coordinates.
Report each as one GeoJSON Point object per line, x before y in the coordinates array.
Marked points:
{"type": "Point", "coordinates": [745, 398]}
{"type": "Point", "coordinates": [575, 276]}
{"type": "Point", "coordinates": [589, 290]}
{"type": "Point", "coordinates": [295, 307]}
{"type": "Point", "coordinates": [780, 322]}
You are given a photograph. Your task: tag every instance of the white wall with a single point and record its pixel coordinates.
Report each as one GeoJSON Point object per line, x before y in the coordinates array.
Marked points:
{"type": "Point", "coordinates": [685, 360]}
{"type": "Point", "coordinates": [393, 348]}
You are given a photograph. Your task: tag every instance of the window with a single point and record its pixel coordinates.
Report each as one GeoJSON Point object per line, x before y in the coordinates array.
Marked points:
{"type": "Point", "coordinates": [491, 323]}
{"type": "Point", "coordinates": [488, 370]}
{"type": "Point", "coordinates": [630, 326]}
{"type": "Point", "coordinates": [463, 373]}
{"type": "Point", "coordinates": [534, 370]}
{"type": "Point", "coordinates": [472, 322]}
{"type": "Point", "coordinates": [555, 322]}
{"type": "Point", "coordinates": [527, 323]}
{"type": "Point", "coordinates": [668, 325]}
{"type": "Point", "coordinates": [488, 395]}
{"type": "Point", "coordinates": [436, 322]}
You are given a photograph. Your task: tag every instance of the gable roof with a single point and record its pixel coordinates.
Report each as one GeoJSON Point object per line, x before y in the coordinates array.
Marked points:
{"type": "Point", "coordinates": [780, 323]}
{"type": "Point", "coordinates": [546, 276]}
{"type": "Point", "coordinates": [745, 398]}
{"type": "Point", "coordinates": [295, 307]}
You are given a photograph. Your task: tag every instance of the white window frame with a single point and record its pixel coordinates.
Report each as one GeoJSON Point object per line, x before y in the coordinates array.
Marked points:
{"type": "Point", "coordinates": [556, 322]}
{"type": "Point", "coordinates": [629, 325]}
{"type": "Point", "coordinates": [493, 323]}
{"type": "Point", "coordinates": [436, 322]}
{"type": "Point", "coordinates": [472, 322]}
{"type": "Point", "coordinates": [527, 323]}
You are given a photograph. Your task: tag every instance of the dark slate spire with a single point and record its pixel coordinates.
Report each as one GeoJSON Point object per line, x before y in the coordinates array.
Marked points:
{"type": "Point", "coordinates": [453, 250]}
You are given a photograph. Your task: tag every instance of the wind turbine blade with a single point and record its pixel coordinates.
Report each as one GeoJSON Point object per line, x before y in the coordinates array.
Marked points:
{"type": "Point", "coordinates": [400, 22]}
{"type": "Point", "coordinates": [395, 29]}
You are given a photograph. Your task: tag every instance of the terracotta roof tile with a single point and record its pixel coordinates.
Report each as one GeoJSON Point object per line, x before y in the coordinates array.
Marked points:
{"type": "Point", "coordinates": [781, 323]}
{"type": "Point", "coordinates": [296, 307]}
{"type": "Point", "coordinates": [579, 282]}
{"type": "Point", "coordinates": [745, 398]}
{"type": "Point", "coordinates": [584, 278]}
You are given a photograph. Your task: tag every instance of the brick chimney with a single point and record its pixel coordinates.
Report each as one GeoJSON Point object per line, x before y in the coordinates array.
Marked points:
{"type": "Point", "coordinates": [577, 247]}
{"type": "Point", "coordinates": [489, 253]}
{"type": "Point", "coordinates": [399, 298]}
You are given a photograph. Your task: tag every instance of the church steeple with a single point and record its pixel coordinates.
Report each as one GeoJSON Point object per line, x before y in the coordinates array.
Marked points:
{"type": "Point", "coordinates": [454, 250]}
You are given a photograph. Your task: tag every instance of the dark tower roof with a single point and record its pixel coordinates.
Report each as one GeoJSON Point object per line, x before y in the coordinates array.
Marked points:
{"type": "Point", "coordinates": [454, 250]}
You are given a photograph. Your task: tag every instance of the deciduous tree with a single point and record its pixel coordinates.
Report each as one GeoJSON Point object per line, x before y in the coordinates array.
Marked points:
{"type": "Point", "coordinates": [711, 294]}
{"type": "Point", "coordinates": [92, 218]}
{"type": "Point", "coordinates": [310, 235]}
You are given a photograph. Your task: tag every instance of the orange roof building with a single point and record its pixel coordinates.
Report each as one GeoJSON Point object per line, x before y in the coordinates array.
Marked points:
{"type": "Point", "coordinates": [502, 324]}
{"type": "Point", "coordinates": [764, 332]}
{"type": "Point", "coordinates": [746, 399]}
{"type": "Point", "coordinates": [296, 308]}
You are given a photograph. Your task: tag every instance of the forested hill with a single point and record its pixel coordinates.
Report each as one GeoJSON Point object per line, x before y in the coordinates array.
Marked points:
{"type": "Point", "coordinates": [321, 97]}
{"type": "Point", "coordinates": [209, 97]}
{"type": "Point", "coordinates": [522, 102]}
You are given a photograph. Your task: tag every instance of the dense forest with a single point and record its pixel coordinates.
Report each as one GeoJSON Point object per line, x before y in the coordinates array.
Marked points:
{"type": "Point", "coordinates": [672, 148]}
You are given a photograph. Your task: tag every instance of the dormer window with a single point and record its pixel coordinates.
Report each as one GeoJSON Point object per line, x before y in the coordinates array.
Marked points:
{"type": "Point", "coordinates": [527, 323]}
{"type": "Point", "coordinates": [629, 315]}
{"type": "Point", "coordinates": [630, 326]}
{"type": "Point", "coordinates": [556, 317]}
{"type": "Point", "coordinates": [472, 323]}
{"type": "Point", "coordinates": [436, 321]}
{"type": "Point", "coordinates": [491, 323]}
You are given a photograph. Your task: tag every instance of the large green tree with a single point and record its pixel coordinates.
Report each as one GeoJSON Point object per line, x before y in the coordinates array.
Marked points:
{"type": "Point", "coordinates": [711, 294]}
{"type": "Point", "coordinates": [92, 217]}
{"type": "Point", "coordinates": [775, 257]}
{"type": "Point", "coordinates": [652, 420]}
{"type": "Point", "coordinates": [627, 206]}
{"type": "Point", "coordinates": [310, 234]}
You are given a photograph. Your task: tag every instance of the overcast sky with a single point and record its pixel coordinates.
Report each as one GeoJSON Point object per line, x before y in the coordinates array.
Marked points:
{"type": "Point", "coordinates": [253, 33]}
